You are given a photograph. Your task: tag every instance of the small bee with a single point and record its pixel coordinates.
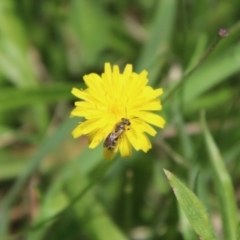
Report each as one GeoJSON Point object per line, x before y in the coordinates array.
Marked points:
{"type": "Point", "coordinates": [111, 140]}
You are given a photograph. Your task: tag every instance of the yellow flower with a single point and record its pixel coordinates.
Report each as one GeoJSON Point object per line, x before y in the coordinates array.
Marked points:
{"type": "Point", "coordinates": [114, 96]}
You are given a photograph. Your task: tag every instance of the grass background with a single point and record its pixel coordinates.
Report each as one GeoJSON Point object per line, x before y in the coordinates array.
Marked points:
{"type": "Point", "coordinates": [53, 186]}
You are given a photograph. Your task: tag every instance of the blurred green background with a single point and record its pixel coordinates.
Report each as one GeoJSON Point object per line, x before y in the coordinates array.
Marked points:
{"type": "Point", "coordinates": [58, 186]}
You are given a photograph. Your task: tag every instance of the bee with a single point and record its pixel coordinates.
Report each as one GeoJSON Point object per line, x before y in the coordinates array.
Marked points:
{"type": "Point", "coordinates": [111, 140]}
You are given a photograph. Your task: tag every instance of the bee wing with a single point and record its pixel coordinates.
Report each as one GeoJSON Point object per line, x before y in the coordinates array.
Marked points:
{"type": "Point", "coordinates": [107, 141]}
{"type": "Point", "coordinates": [110, 140]}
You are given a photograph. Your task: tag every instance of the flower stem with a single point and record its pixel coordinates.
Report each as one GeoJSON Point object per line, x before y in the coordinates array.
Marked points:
{"type": "Point", "coordinates": [221, 34]}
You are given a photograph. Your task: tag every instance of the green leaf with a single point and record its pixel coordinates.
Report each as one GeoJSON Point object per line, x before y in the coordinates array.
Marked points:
{"type": "Point", "coordinates": [152, 55]}
{"type": "Point", "coordinates": [223, 186]}
{"type": "Point", "coordinates": [185, 227]}
{"type": "Point", "coordinates": [193, 208]}
{"type": "Point", "coordinates": [14, 98]}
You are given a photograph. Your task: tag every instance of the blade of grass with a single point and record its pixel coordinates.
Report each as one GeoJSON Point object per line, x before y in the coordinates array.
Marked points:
{"type": "Point", "coordinates": [220, 97]}
{"type": "Point", "coordinates": [12, 98]}
{"type": "Point", "coordinates": [193, 208]}
{"type": "Point", "coordinates": [223, 185]}
{"type": "Point", "coordinates": [185, 227]}
{"type": "Point", "coordinates": [238, 232]}
{"type": "Point", "coordinates": [14, 62]}
{"type": "Point", "coordinates": [159, 38]}
{"type": "Point", "coordinates": [10, 169]}
{"type": "Point", "coordinates": [211, 73]}
{"type": "Point", "coordinates": [185, 141]}
{"type": "Point", "coordinates": [47, 146]}
{"type": "Point", "coordinates": [84, 27]}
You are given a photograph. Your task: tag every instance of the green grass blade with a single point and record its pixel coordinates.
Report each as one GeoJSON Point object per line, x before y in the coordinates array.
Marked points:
{"type": "Point", "coordinates": [223, 186]}
{"type": "Point", "coordinates": [206, 74]}
{"type": "Point", "coordinates": [193, 208]}
{"type": "Point", "coordinates": [211, 73]}
{"type": "Point", "coordinates": [48, 145]}
{"type": "Point", "coordinates": [12, 98]}
{"type": "Point", "coordinates": [151, 57]}
{"type": "Point", "coordinates": [80, 198]}
{"type": "Point", "coordinates": [238, 232]}
{"type": "Point", "coordinates": [84, 28]}
{"type": "Point", "coordinates": [185, 227]}
{"type": "Point", "coordinates": [99, 226]}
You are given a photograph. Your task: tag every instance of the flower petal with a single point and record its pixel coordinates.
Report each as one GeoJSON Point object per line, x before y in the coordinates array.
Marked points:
{"type": "Point", "coordinates": [151, 118]}
{"type": "Point", "coordinates": [133, 139]}
{"type": "Point", "coordinates": [79, 93]}
{"type": "Point", "coordinates": [126, 74]}
{"type": "Point", "coordinates": [91, 125]}
{"type": "Point", "coordinates": [151, 94]}
{"type": "Point", "coordinates": [95, 138]}
{"type": "Point", "coordinates": [144, 140]}
{"type": "Point", "coordinates": [142, 126]}
{"type": "Point", "coordinates": [125, 147]}
{"type": "Point", "coordinates": [151, 106]}
{"type": "Point", "coordinates": [109, 154]}
{"type": "Point", "coordinates": [77, 132]}
{"type": "Point", "coordinates": [92, 80]}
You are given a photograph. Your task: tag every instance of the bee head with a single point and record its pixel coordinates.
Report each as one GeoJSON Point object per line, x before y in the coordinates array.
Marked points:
{"type": "Point", "coordinates": [126, 121]}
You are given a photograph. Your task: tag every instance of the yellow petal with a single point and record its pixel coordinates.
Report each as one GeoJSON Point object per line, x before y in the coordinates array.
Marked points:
{"type": "Point", "coordinates": [152, 118]}
{"type": "Point", "coordinates": [133, 139]}
{"type": "Point", "coordinates": [108, 69]}
{"type": "Point", "coordinates": [126, 74]}
{"type": "Point", "coordinates": [151, 106]}
{"type": "Point", "coordinates": [125, 147]}
{"type": "Point", "coordinates": [116, 77]}
{"type": "Point", "coordinates": [139, 140]}
{"type": "Point", "coordinates": [141, 126]}
{"type": "Point", "coordinates": [92, 80]}
{"type": "Point", "coordinates": [89, 111]}
{"type": "Point", "coordinates": [77, 132]}
{"type": "Point", "coordinates": [101, 133]}
{"type": "Point", "coordinates": [151, 94]}
{"type": "Point", "coordinates": [136, 85]}
{"type": "Point", "coordinates": [78, 93]}
{"type": "Point", "coordinates": [92, 124]}
{"type": "Point", "coordinates": [108, 154]}
{"type": "Point", "coordinates": [144, 141]}
{"type": "Point", "coordinates": [96, 138]}
{"type": "Point", "coordinates": [142, 80]}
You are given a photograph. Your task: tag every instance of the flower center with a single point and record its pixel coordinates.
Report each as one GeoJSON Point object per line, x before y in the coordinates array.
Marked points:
{"type": "Point", "coordinates": [117, 111]}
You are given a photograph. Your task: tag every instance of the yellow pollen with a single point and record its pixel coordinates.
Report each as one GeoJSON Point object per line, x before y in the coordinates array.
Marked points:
{"type": "Point", "coordinates": [116, 110]}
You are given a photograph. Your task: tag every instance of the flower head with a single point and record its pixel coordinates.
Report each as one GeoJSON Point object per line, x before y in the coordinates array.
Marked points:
{"type": "Point", "coordinates": [116, 107]}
